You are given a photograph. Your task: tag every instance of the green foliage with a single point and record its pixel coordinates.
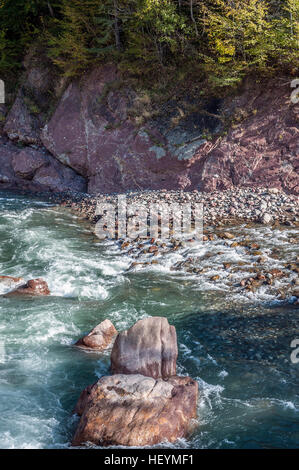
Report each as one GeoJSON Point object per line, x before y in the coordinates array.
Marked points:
{"type": "Point", "coordinates": [156, 32]}
{"type": "Point", "coordinates": [239, 37]}
{"type": "Point", "coordinates": [22, 22]}
{"type": "Point", "coordinates": [222, 40]}
{"type": "Point", "coordinates": [68, 40]}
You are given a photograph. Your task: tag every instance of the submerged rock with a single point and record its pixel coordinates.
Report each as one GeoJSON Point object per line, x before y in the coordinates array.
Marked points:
{"type": "Point", "coordinates": [100, 337]}
{"type": "Point", "coordinates": [133, 410]}
{"type": "Point", "coordinates": [8, 282]}
{"type": "Point", "coordinates": [148, 348]}
{"type": "Point", "coordinates": [35, 287]}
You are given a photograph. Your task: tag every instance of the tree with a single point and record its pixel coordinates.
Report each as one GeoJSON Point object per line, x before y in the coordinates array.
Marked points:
{"type": "Point", "coordinates": [246, 35]}
{"type": "Point", "coordinates": [21, 23]}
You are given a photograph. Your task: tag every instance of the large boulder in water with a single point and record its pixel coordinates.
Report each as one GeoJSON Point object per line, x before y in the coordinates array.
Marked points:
{"type": "Point", "coordinates": [34, 287]}
{"type": "Point", "coordinates": [133, 410]}
{"type": "Point", "coordinates": [148, 348]}
{"type": "Point", "coordinates": [99, 338]}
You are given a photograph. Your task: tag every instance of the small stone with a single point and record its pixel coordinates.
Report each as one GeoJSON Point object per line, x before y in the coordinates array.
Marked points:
{"type": "Point", "coordinates": [266, 218]}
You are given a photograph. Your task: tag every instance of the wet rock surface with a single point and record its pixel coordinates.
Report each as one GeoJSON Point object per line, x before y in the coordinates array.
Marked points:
{"type": "Point", "coordinates": [34, 287]}
{"type": "Point", "coordinates": [144, 402]}
{"type": "Point", "coordinates": [148, 348]}
{"type": "Point", "coordinates": [100, 337]}
{"type": "Point", "coordinates": [133, 410]}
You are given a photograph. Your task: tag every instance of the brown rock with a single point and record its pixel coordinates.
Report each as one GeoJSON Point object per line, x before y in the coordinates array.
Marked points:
{"type": "Point", "coordinates": [226, 265]}
{"type": "Point", "coordinates": [264, 142]}
{"type": "Point", "coordinates": [276, 273]}
{"type": "Point", "coordinates": [35, 287]}
{"type": "Point", "coordinates": [91, 131]}
{"type": "Point", "coordinates": [27, 162]}
{"type": "Point", "coordinates": [100, 337]}
{"type": "Point", "coordinates": [35, 95]}
{"type": "Point", "coordinates": [148, 348]}
{"type": "Point", "coordinates": [20, 124]}
{"type": "Point", "coordinates": [35, 170]}
{"type": "Point", "coordinates": [133, 410]}
{"type": "Point", "coordinates": [227, 235]}
{"type": "Point", "coordinates": [153, 249]}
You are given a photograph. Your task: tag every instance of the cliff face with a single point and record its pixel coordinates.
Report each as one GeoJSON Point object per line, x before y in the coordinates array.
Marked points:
{"type": "Point", "coordinates": [92, 141]}
{"type": "Point", "coordinates": [260, 151]}
{"type": "Point", "coordinates": [35, 170]}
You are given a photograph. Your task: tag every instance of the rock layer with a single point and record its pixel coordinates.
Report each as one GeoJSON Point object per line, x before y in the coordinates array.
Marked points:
{"type": "Point", "coordinates": [133, 410]}
{"type": "Point", "coordinates": [92, 132]}
{"type": "Point", "coordinates": [148, 348]}
{"type": "Point", "coordinates": [100, 337]}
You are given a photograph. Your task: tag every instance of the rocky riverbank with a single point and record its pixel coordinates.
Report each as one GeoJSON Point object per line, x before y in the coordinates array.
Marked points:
{"type": "Point", "coordinates": [235, 255]}
{"type": "Point", "coordinates": [258, 205]}
{"type": "Point", "coordinates": [249, 246]}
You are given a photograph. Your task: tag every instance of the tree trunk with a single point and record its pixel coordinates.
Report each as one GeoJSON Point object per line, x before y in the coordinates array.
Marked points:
{"type": "Point", "coordinates": [116, 27]}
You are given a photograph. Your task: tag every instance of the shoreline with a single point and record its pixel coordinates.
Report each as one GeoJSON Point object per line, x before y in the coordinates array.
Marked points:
{"type": "Point", "coordinates": [226, 207]}
{"type": "Point", "coordinates": [262, 205]}
{"type": "Point", "coordinates": [233, 252]}
{"type": "Point", "coordinates": [244, 262]}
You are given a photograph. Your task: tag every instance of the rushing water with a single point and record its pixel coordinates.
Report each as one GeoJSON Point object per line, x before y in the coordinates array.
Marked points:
{"type": "Point", "coordinates": [237, 349]}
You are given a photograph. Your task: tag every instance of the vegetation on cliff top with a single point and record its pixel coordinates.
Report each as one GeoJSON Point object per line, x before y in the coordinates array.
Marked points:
{"type": "Point", "coordinates": [220, 40]}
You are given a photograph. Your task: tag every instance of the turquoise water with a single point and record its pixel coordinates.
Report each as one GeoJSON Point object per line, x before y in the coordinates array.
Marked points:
{"type": "Point", "coordinates": [236, 347]}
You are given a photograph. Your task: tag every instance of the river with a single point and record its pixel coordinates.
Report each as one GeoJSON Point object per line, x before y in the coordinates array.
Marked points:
{"type": "Point", "coordinates": [236, 347]}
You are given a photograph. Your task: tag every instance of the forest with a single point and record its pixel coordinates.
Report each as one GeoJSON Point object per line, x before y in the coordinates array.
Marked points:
{"type": "Point", "coordinates": [220, 40]}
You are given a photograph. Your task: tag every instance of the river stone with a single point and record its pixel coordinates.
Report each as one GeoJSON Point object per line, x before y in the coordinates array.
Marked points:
{"type": "Point", "coordinates": [35, 287]}
{"type": "Point", "coordinates": [100, 337]}
{"type": "Point", "coordinates": [148, 348]}
{"type": "Point", "coordinates": [133, 410]}
{"type": "Point", "coordinates": [266, 218]}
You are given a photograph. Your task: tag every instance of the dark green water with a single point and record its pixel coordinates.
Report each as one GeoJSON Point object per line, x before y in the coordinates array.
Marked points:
{"type": "Point", "coordinates": [237, 348]}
